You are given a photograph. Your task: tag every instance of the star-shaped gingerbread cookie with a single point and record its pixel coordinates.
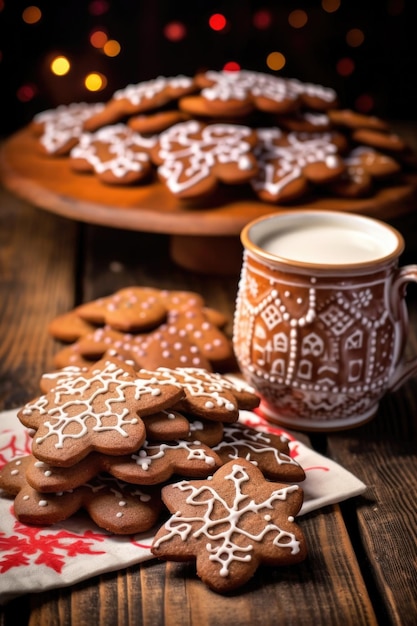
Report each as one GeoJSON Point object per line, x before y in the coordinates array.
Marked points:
{"type": "Point", "coordinates": [95, 409]}
{"type": "Point", "coordinates": [231, 524]}
{"type": "Point", "coordinates": [209, 394]}
{"type": "Point", "coordinates": [269, 452]}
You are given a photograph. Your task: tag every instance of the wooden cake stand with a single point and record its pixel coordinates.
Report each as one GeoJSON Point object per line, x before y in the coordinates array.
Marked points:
{"type": "Point", "coordinates": [203, 237]}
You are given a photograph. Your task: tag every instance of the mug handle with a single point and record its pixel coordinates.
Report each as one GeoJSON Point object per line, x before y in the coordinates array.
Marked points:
{"type": "Point", "coordinates": [404, 369]}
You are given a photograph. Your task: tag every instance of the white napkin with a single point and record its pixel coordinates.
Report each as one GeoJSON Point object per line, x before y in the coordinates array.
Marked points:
{"type": "Point", "coordinates": [34, 559]}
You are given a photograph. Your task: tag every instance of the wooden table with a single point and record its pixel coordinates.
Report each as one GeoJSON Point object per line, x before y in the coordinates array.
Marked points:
{"type": "Point", "coordinates": [362, 563]}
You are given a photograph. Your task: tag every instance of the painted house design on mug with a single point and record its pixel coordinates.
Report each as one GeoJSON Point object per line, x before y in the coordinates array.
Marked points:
{"type": "Point", "coordinates": [333, 343]}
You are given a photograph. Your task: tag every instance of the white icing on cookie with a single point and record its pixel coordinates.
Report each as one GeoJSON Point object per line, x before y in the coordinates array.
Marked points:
{"type": "Point", "coordinates": [222, 533]}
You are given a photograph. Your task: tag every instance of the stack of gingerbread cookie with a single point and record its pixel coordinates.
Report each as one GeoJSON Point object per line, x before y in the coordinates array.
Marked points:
{"type": "Point", "coordinates": [280, 139]}
{"type": "Point", "coordinates": [147, 327]}
{"type": "Point", "coordinates": [121, 443]}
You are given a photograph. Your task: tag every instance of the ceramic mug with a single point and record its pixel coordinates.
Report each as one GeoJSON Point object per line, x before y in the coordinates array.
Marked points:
{"type": "Point", "coordinates": [321, 321]}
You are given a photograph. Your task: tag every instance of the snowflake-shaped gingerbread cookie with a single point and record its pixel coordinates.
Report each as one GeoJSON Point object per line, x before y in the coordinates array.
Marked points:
{"type": "Point", "coordinates": [267, 451]}
{"type": "Point", "coordinates": [59, 129]}
{"type": "Point", "coordinates": [95, 409]}
{"type": "Point", "coordinates": [231, 524]}
{"type": "Point", "coordinates": [116, 154]}
{"type": "Point", "coordinates": [363, 166]}
{"type": "Point", "coordinates": [209, 394]}
{"type": "Point", "coordinates": [289, 162]}
{"type": "Point", "coordinates": [227, 93]}
{"type": "Point", "coordinates": [138, 98]}
{"type": "Point", "coordinates": [193, 158]}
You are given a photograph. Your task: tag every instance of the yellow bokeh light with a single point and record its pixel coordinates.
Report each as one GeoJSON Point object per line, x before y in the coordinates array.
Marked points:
{"type": "Point", "coordinates": [111, 48]}
{"type": "Point", "coordinates": [31, 15]}
{"type": "Point", "coordinates": [95, 81]}
{"type": "Point", "coordinates": [330, 5]}
{"type": "Point", "coordinates": [60, 66]}
{"type": "Point", "coordinates": [297, 18]}
{"type": "Point", "coordinates": [275, 61]}
{"type": "Point", "coordinates": [355, 37]}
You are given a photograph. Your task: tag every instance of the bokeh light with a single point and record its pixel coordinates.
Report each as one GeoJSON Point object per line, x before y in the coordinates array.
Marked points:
{"type": "Point", "coordinates": [297, 18]}
{"type": "Point", "coordinates": [111, 48]}
{"type": "Point", "coordinates": [231, 66]}
{"type": "Point", "coordinates": [364, 103]}
{"type": "Point", "coordinates": [275, 61]}
{"type": "Point", "coordinates": [262, 19]}
{"type": "Point", "coordinates": [175, 31]}
{"type": "Point", "coordinates": [330, 6]}
{"type": "Point", "coordinates": [31, 14]}
{"type": "Point", "coordinates": [95, 81]}
{"type": "Point", "coordinates": [217, 21]}
{"type": "Point", "coordinates": [26, 93]}
{"type": "Point", "coordinates": [98, 7]}
{"type": "Point", "coordinates": [345, 67]}
{"type": "Point", "coordinates": [98, 38]}
{"type": "Point", "coordinates": [355, 37]}
{"type": "Point", "coordinates": [60, 66]}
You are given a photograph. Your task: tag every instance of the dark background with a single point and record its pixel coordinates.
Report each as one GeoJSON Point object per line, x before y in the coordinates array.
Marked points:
{"type": "Point", "coordinates": [382, 80]}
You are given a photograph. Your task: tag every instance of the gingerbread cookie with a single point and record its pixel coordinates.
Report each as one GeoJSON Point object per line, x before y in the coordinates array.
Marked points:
{"type": "Point", "coordinates": [209, 394]}
{"type": "Point", "coordinates": [117, 507]}
{"type": "Point", "coordinates": [97, 409]}
{"type": "Point", "coordinates": [69, 327]}
{"type": "Point", "coordinates": [231, 524]}
{"type": "Point", "coordinates": [305, 122]}
{"type": "Point", "coordinates": [236, 94]}
{"type": "Point", "coordinates": [116, 154]}
{"type": "Point", "coordinates": [167, 347]}
{"type": "Point", "coordinates": [156, 122]}
{"type": "Point", "coordinates": [193, 158]}
{"type": "Point", "coordinates": [144, 96]}
{"type": "Point", "coordinates": [59, 129]}
{"type": "Point", "coordinates": [347, 118]}
{"type": "Point", "coordinates": [363, 165]}
{"type": "Point", "coordinates": [206, 431]}
{"type": "Point", "coordinates": [269, 452]}
{"type": "Point", "coordinates": [152, 464]}
{"type": "Point", "coordinates": [166, 425]}
{"type": "Point", "coordinates": [391, 142]}
{"type": "Point", "coordinates": [128, 309]}
{"type": "Point", "coordinates": [288, 163]}
{"type": "Point", "coordinates": [313, 96]}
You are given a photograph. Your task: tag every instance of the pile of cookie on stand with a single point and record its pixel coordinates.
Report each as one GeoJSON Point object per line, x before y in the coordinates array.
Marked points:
{"type": "Point", "coordinates": [138, 446]}
{"type": "Point", "coordinates": [280, 139]}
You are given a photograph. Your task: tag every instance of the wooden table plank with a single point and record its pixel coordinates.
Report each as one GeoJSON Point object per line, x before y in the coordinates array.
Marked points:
{"type": "Point", "coordinates": [384, 454]}
{"type": "Point", "coordinates": [37, 274]}
{"type": "Point", "coordinates": [327, 589]}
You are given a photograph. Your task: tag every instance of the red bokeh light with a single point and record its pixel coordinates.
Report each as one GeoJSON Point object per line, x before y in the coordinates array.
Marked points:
{"type": "Point", "coordinates": [98, 7]}
{"type": "Point", "coordinates": [262, 19]}
{"type": "Point", "coordinates": [345, 67]}
{"type": "Point", "coordinates": [364, 103]}
{"type": "Point", "coordinates": [26, 93]}
{"type": "Point", "coordinates": [231, 66]}
{"type": "Point", "coordinates": [217, 21]}
{"type": "Point", "coordinates": [175, 31]}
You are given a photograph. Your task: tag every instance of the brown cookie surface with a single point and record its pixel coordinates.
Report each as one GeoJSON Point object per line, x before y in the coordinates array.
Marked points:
{"type": "Point", "coordinates": [231, 524]}
{"type": "Point", "coordinates": [95, 409]}
{"type": "Point", "coordinates": [116, 154]}
{"type": "Point", "coordinates": [117, 507]}
{"type": "Point", "coordinates": [193, 158]}
{"type": "Point", "coordinates": [269, 452]}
